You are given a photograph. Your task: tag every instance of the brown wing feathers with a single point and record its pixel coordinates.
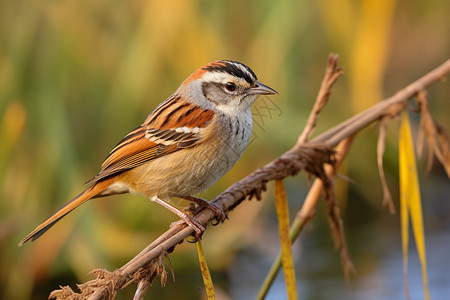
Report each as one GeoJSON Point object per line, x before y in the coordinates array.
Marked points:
{"type": "Point", "coordinates": [156, 137]}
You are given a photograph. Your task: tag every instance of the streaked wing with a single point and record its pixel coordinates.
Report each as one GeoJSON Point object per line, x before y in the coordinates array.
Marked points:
{"type": "Point", "coordinates": [172, 126]}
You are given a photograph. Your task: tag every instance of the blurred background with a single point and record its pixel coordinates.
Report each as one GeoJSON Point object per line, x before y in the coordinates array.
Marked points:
{"type": "Point", "coordinates": [77, 76]}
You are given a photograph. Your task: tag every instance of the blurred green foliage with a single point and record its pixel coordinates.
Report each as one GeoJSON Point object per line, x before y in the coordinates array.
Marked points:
{"type": "Point", "coordinates": [77, 76]}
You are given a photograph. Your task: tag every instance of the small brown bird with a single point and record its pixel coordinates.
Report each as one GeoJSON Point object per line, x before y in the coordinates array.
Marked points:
{"type": "Point", "coordinates": [184, 146]}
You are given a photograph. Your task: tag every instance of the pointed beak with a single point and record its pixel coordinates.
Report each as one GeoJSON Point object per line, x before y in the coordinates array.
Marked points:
{"type": "Point", "coordinates": [261, 89]}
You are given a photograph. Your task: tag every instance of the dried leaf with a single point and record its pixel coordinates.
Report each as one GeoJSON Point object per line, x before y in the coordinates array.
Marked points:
{"type": "Point", "coordinates": [444, 143]}
{"type": "Point", "coordinates": [314, 157]}
{"type": "Point", "coordinates": [337, 227]}
{"type": "Point", "coordinates": [434, 134]}
{"type": "Point", "coordinates": [387, 198]}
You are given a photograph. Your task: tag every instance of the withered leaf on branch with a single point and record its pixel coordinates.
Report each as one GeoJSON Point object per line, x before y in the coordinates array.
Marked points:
{"type": "Point", "coordinates": [387, 198]}
{"type": "Point", "coordinates": [431, 132]}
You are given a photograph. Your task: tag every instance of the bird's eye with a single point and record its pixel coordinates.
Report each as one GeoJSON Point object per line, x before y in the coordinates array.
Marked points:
{"type": "Point", "coordinates": [230, 87]}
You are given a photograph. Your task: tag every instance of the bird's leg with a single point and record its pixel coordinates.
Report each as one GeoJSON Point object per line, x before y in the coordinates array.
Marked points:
{"type": "Point", "coordinates": [218, 212]}
{"type": "Point", "coordinates": [193, 223]}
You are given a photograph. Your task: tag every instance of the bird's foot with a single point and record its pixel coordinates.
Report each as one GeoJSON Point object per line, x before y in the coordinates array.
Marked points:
{"type": "Point", "coordinates": [219, 213]}
{"type": "Point", "coordinates": [191, 222]}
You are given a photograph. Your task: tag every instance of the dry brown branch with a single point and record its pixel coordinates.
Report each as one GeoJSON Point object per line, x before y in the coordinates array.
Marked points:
{"type": "Point", "coordinates": [390, 106]}
{"type": "Point", "coordinates": [309, 156]}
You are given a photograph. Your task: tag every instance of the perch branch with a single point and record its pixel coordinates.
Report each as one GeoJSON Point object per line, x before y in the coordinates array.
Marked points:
{"type": "Point", "coordinates": [309, 156]}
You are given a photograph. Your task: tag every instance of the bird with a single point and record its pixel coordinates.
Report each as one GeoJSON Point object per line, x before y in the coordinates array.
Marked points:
{"type": "Point", "coordinates": [183, 147]}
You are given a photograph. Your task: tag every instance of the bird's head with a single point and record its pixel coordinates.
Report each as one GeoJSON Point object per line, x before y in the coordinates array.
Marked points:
{"type": "Point", "coordinates": [228, 86]}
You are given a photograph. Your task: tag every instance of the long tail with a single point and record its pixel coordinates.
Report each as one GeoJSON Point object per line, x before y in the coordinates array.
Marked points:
{"type": "Point", "coordinates": [67, 208]}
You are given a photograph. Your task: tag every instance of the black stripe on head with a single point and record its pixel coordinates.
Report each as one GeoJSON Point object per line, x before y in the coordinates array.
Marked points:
{"type": "Point", "coordinates": [234, 68]}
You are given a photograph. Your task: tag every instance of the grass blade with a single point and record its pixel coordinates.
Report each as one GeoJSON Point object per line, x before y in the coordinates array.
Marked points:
{"type": "Point", "coordinates": [410, 202]}
{"type": "Point", "coordinates": [207, 281]}
{"type": "Point", "coordinates": [286, 246]}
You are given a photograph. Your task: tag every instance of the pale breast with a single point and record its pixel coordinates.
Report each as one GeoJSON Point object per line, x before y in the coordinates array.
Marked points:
{"type": "Point", "coordinates": [189, 171]}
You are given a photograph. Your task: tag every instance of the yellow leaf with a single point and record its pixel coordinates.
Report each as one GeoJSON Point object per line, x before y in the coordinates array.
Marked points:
{"type": "Point", "coordinates": [410, 202]}
{"type": "Point", "coordinates": [207, 281]}
{"type": "Point", "coordinates": [286, 246]}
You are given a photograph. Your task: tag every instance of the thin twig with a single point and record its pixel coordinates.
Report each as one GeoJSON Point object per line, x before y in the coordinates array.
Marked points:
{"type": "Point", "coordinates": [332, 73]}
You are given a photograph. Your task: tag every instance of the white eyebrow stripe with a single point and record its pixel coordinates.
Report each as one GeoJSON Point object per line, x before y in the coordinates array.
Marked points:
{"type": "Point", "coordinates": [218, 77]}
{"type": "Point", "coordinates": [223, 77]}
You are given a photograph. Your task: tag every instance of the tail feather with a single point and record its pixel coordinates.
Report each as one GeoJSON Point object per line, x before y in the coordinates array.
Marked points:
{"type": "Point", "coordinates": [67, 208]}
